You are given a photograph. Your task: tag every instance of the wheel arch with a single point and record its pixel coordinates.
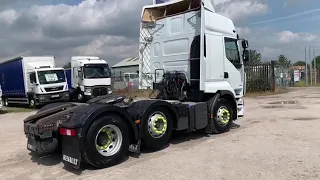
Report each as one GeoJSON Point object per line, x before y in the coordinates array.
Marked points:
{"type": "Point", "coordinates": [115, 110]}
{"type": "Point", "coordinates": [227, 95]}
{"type": "Point", "coordinates": [140, 109]}
{"type": "Point", "coordinates": [230, 97]}
{"type": "Point", "coordinates": [83, 118]}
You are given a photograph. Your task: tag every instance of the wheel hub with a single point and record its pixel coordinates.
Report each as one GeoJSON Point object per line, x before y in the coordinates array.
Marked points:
{"type": "Point", "coordinates": [31, 102]}
{"type": "Point", "coordinates": [79, 96]}
{"type": "Point", "coordinates": [223, 116]}
{"type": "Point", "coordinates": [108, 140]}
{"type": "Point", "coordinates": [157, 125]}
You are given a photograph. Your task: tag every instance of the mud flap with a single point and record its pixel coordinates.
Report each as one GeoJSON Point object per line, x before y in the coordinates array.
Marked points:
{"type": "Point", "coordinates": [32, 144]}
{"type": "Point", "coordinates": [71, 155]}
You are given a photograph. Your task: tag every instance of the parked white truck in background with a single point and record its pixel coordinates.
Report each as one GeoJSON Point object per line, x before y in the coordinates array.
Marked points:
{"type": "Point", "coordinates": [32, 80]}
{"type": "Point", "coordinates": [88, 77]}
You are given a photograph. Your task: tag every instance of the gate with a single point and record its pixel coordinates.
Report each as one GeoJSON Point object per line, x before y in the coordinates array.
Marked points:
{"type": "Point", "coordinates": [260, 77]}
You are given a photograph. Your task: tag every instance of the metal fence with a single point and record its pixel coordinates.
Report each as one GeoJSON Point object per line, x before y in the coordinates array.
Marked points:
{"type": "Point", "coordinates": [259, 78]}
{"type": "Point", "coordinates": [125, 83]}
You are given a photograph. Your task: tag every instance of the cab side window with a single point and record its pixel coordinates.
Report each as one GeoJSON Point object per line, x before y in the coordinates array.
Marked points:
{"type": "Point", "coordinates": [32, 77]}
{"type": "Point", "coordinates": [231, 49]}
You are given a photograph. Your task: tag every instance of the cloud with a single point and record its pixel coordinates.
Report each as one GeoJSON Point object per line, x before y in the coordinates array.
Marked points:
{"type": "Point", "coordinates": [240, 10]}
{"type": "Point", "coordinates": [271, 43]}
{"type": "Point", "coordinates": [108, 28]}
{"type": "Point", "coordinates": [63, 29]}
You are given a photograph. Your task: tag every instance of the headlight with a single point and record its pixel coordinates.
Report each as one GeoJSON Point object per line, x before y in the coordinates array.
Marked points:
{"type": "Point", "coordinates": [87, 90]}
{"type": "Point", "coordinates": [109, 90]}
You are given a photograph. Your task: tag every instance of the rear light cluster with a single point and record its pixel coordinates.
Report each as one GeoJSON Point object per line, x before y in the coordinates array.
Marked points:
{"type": "Point", "coordinates": [67, 132]}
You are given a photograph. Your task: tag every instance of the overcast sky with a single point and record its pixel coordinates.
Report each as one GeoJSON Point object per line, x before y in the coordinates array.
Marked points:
{"type": "Point", "coordinates": [110, 28]}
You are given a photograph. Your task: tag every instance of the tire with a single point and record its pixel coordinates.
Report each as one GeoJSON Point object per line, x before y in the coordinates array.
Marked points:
{"type": "Point", "coordinates": [81, 100]}
{"type": "Point", "coordinates": [32, 103]}
{"type": "Point", "coordinates": [152, 141]}
{"type": "Point", "coordinates": [221, 126]}
{"type": "Point", "coordinates": [107, 159]}
{"type": "Point", "coordinates": [5, 102]}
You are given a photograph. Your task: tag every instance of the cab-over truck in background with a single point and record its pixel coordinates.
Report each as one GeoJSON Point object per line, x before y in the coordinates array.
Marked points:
{"type": "Point", "coordinates": [32, 80]}
{"type": "Point", "coordinates": [199, 58]}
{"type": "Point", "coordinates": [88, 77]}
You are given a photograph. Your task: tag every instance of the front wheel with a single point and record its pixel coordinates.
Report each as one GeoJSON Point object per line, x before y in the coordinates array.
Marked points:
{"type": "Point", "coordinates": [5, 102]}
{"type": "Point", "coordinates": [107, 141]}
{"type": "Point", "coordinates": [223, 113]}
{"type": "Point", "coordinates": [32, 102]}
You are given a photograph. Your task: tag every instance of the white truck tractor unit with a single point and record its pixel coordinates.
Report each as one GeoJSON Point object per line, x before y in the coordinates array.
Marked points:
{"type": "Point", "coordinates": [187, 40]}
{"type": "Point", "coordinates": [195, 58]}
{"type": "Point", "coordinates": [89, 77]}
{"type": "Point", "coordinates": [32, 80]}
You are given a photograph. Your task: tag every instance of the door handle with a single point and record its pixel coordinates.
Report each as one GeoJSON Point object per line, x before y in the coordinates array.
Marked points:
{"type": "Point", "coordinates": [226, 75]}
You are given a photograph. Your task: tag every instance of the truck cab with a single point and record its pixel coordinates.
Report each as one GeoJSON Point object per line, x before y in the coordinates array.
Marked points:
{"type": "Point", "coordinates": [90, 77]}
{"type": "Point", "coordinates": [47, 84]}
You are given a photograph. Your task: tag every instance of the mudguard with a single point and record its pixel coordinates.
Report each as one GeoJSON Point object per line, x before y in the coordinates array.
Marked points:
{"type": "Point", "coordinates": [83, 119]}
{"type": "Point", "coordinates": [234, 105]}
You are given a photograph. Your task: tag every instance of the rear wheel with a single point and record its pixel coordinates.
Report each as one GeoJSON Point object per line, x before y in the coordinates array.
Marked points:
{"type": "Point", "coordinates": [223, 114]}
{"type": "Point", "coordinates": [157, 128]}
{"type": "Point", "coordinates": [107, 141]}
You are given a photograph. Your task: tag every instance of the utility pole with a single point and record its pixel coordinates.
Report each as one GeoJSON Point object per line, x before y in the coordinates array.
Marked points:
{"type": "Point", "coordinates": [315, 66]}
{"type": "Point", "coordinates": [310, 59]}
{"type": "Point", "coordinates": [306, 65]}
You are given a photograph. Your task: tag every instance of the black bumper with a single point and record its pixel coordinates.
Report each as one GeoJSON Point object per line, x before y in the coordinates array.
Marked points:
{"type": "Point", "coordinates": [53, 97]}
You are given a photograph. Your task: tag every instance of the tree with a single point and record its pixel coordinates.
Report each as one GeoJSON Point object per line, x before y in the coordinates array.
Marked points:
{"type": "Point", "coordinates": [317, 62]}
{"type": "Point", "coordinates": [284, 62]}
{"type": "Point", "coordinates": [301, 63]}
{"type": "Point", "coordinates": [68, 65]}
{"type": "Point", "coordinates": [254, 57]}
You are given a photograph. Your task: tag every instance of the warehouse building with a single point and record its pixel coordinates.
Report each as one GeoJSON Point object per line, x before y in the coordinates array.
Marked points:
{"type": "Point", "coordinates": [128, 65]}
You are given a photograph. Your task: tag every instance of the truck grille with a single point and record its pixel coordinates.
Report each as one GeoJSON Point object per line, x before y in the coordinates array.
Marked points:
{"type": "Point", "coordinates": [99, 91]}
{"type": "Point", "coordinates": [50, 89]}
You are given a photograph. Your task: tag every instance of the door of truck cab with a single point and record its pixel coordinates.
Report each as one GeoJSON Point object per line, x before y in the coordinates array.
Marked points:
{"type": "Point", "coordinates": [211, 57]}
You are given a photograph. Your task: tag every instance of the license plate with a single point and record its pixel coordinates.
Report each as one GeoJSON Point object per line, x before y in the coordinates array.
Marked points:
{"type": "Point", "coordinates": [54, 96]}
{"type": "Point", "coordinates": [31, 147]}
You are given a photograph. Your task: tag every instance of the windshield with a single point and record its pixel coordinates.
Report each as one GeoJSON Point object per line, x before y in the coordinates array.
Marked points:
{"type": "Point", "coordinates": [96, 71]}
{"type": "Point", "coordinates": [51, 76]}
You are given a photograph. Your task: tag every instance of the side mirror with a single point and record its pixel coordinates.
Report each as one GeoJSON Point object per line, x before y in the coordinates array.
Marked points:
{"type": "Point", "coordinates": [245, 44]}
{"type": "Point", "coordinates": [246, 55]}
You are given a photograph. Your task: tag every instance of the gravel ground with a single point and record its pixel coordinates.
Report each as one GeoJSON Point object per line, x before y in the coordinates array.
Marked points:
{"type": "Point", "coordinates": [278, 138]}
